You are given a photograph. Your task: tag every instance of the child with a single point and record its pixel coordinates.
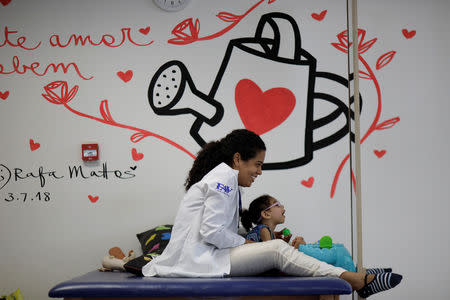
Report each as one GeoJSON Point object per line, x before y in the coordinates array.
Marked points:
{"type": "Point", "coordinates": [267, 212]}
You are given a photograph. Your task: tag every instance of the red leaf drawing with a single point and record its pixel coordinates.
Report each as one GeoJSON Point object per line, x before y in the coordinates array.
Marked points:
{"type": "Point", "coordinates": [138, 136]}
{"type": "Point", "coordinates": [364, 75]}
{"type": "Point", "coordinates": [228, 17]}
{"type": "Point", "coordinates": [340, 47]}
{"type": "Point", "coordinates": [5, 2]}
{"type": "Point", "coordinates": [366, 46]}
{"type": "Point", "coordinates": [104, 111]}
{"type": "Point", "coordinates": [384, 59]}
{"type": "Point", "coordinates": [388, 124]}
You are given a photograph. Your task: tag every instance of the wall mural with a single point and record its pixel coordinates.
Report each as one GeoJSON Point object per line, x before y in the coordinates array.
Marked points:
{"type": "Point", "coordinates": [277, 85]}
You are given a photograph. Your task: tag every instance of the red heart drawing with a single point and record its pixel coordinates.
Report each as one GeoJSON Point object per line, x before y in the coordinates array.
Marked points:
{"type": "Point", "coordinates": [4, 95]}
{"type": "Point", "coordinates": [93, 199]}
{"type": "Point", "coordinates": [145, 30]}
{"type": "Point", "coordinates": [33, 145]}
{"type": "Point", "coordinates": [319, 17]}
{"type": "Point", "coordinates": [308, 183]}
{"type": "Point", "coordinates": [125, 76]}
{"type": "Point", "coordinates": [136, 155]}
{"type": "Point", "coordinates": [262, 111]}
{"type": "Point", "coordinates": [380, 153]}
{"type": "Point", "coordinates": [5, 2]}
{"type": "Point", "coordinates": [408, 34]}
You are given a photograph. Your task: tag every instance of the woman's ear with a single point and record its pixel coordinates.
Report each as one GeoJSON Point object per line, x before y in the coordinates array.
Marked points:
{"type": "Point", "coordinates": [236, 159]}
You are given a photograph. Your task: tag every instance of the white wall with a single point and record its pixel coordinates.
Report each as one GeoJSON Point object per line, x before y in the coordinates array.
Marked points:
{"type": "Point", "coordinates": [404, 191]}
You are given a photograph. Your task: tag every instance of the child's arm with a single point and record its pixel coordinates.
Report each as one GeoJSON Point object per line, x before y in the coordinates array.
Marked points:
{"type": "Point", "coordinates": [265, 234]}
{"type": "Point", "coordinates": [279, 235]}
{"type": "Point", "coordinates": [298, 241]}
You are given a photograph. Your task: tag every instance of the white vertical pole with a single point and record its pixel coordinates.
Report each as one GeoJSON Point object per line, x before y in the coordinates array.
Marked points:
{"type": "Point", "coordinates": [355, 149]}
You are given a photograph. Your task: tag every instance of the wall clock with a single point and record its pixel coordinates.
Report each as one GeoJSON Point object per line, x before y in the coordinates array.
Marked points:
{"type": "Point", "coordinates": [172, 5]}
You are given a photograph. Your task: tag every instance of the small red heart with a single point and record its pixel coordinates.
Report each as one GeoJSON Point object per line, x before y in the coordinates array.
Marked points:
{"type": "Point", "coordinates": [408, 34]}
{"type": "Point", "coordinates": [319, 17]}
{"type": "Point", "coordinates": [93, 199]}
{"type": "Point", "coordinates": [145, 30]}
{"type": "Point", "coordinates": [380, 153]}
{"type": "Point", "coordinates": [262, 111]}
{"type": "Point", "coordinates": [308, 183]}
{"type": "Point", "coordinates": [33, 145]}
{"type": "Point", "coordinates": [5, 2]}
{"type": "Point", "coordinates": [136, 155]}
{"type": "Point", "coordinates": [125, 76]}
{"type": "Point", "coordinates": [4, 95]}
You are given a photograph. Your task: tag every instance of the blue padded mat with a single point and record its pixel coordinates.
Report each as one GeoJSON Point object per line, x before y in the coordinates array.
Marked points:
{"type": "Point", "coordinates": [119, 284]}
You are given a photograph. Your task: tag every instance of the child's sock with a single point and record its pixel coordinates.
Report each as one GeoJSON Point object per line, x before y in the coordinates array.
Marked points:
{"type": "Point", "coordinates": [381, 282]}
{"type": "Point", "coordinates": [378, 270]}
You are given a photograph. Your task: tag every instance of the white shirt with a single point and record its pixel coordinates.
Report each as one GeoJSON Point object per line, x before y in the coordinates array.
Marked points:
{"type": "Point", "coordinates": [204, 230]}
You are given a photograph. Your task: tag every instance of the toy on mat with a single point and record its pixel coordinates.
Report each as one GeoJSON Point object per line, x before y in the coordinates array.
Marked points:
{"type": "Point", "coordinates": [116, 259]}
{"type": "Point", "coordinates": [326, 242]}
{"type": "Point", "coordinates": [334, 254]}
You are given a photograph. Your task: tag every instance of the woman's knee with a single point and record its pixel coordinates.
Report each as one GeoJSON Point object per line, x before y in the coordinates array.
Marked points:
{"type": "Point", "coordinates": [277, 245]}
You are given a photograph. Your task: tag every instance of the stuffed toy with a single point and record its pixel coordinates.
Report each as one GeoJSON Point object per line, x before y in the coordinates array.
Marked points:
{"type": "Point", "coordinates": [17, 295]}
{"type": "Point", "coordinates": [331, 253]}
{"type": "Point", "coordinates": [116, 259]}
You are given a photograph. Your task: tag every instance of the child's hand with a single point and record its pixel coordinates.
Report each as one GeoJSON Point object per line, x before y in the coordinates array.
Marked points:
{"type": "Point", "coordinates": [279, 235]}
{"type": "Point", "coordinates": [298, 241]}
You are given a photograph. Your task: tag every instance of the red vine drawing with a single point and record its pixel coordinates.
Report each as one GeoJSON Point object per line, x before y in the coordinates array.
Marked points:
{"type": "Point", "coordinates": [187, 31]}
{"type": "Point", "coordinates": [365, 72]}
{"type": "Point", "coordinates": [58, 92]}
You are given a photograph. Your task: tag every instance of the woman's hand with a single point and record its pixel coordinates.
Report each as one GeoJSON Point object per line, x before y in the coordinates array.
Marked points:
{"type": "Point", "coordinates": [249, 242]}
{"type": "Point", "coordinates": [298, 241]}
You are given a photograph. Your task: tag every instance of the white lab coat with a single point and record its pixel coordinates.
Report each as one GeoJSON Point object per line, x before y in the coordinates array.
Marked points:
{"type": "Point", "coordinates": [204, 230]}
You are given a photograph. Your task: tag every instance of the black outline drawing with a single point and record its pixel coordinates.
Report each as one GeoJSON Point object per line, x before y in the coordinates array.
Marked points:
{"type": "Point", "coordinates": [271, 48]}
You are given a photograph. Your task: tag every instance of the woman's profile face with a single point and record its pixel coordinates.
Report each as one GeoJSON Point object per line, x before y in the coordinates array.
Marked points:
{"type": "Point", "coordinates": [249, 169]}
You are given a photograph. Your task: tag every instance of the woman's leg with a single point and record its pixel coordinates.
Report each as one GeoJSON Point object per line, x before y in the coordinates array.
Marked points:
{"type": "Point", "coordinates": [256, 258]}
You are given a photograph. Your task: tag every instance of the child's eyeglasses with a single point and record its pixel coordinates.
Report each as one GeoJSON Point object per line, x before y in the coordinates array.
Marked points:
{"type": "Point", "coordinates": [277, 203]}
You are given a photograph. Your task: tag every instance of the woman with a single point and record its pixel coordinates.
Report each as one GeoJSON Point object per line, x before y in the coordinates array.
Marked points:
{"type": "Point", "coordinates": [204, 240]}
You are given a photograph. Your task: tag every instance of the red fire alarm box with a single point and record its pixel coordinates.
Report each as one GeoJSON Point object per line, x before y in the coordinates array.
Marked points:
{"type": "Point", "coordinates": [89, 152]}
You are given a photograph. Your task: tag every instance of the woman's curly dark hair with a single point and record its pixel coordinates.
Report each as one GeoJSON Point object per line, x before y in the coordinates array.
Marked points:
{"type": "Point", "coordinates": [245, 142]}
{"type": "Point", "coordinates": [253, 214]}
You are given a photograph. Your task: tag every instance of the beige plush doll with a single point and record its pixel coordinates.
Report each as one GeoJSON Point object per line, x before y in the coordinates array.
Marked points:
{"type": "Point", "coordinates": [116, 259]}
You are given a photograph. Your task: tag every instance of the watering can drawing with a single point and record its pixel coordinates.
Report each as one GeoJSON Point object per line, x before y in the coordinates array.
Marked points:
{"type": "Point", "coordinates": [267, 84]}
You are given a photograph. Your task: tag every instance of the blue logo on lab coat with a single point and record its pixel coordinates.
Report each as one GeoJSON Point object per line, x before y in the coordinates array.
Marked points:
{"type": "Point", "coordinates": [223, 188]}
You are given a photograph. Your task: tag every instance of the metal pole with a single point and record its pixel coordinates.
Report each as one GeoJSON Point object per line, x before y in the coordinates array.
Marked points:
{"type": "Point", "coordinates": [355, 156]}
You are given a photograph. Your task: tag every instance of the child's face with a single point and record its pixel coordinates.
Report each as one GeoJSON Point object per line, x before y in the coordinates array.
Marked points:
{"type": "Point", "coordinates": [277, 211]}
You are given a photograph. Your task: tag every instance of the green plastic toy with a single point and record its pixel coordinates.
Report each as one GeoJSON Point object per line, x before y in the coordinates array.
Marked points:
{"type": "Point", "coordinates": [286, 232]}
{"type": "Point", "coordinates": [326, 242]}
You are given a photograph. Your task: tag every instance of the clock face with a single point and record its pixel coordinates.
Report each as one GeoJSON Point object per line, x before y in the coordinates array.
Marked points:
{"type": "Point", "coordinates": [172, 5]}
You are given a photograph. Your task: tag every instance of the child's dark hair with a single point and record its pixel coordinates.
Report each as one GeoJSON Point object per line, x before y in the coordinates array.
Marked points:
{"type": "Point", "coordinates": [253, 214]}
{"type": "Point", "coordinates": [247, 143]}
